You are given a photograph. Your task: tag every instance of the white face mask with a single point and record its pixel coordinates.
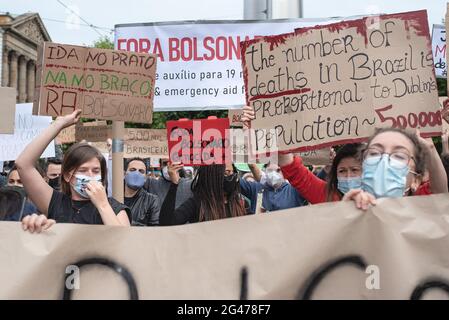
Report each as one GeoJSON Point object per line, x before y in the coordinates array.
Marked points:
{"type": "Point", "coordinates": [274, 179]}
{"type": "Point", "coordinates": [165, 174]}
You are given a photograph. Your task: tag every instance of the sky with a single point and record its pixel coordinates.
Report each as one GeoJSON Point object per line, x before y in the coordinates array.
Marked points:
{"type": "Point", "coordinates": [71, 29]}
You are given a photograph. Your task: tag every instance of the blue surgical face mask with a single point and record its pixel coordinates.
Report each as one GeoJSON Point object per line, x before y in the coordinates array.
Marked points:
{"type": "Point", "coordinates": [81, 182]}
{"type": "Point", "coordinates": [345, 184]}
{"type": "Point", "coordinates": [383, 179]}
{"type": "Point", "coordinates": [134, 180]}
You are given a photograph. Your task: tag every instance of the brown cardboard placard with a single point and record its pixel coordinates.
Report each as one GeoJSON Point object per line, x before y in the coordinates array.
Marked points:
{"type": "Point", "coordinates": [334, 84]}
{"type": "Point", "coordinates": [145, 143]}
{"type": "Point", "coordinates": [104, 84]}
{"type": "Point", "coordinates": [386, 252]}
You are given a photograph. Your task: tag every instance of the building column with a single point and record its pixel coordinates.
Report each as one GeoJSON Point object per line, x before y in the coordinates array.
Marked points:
{"type": "Point", "coordinates": [23, 79]}
{"type": "Point", "coordinates": [5, 67]}
{"type": "Point", "coordinates": [31, 79]}
{"type": "Point", "coordinates": [13, 72]}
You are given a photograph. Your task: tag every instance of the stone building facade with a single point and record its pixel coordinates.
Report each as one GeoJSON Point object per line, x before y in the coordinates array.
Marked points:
{"type": "Point", "coordinates": [20, 37]}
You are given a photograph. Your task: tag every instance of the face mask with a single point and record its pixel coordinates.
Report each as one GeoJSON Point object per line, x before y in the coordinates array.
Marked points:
{"type": "Point", "coordinates": [134, 180]}
{"type": "Point", "coordinates": [81, 182]}
{"type": "Point", "coordinates": [346, 184]}
{"type": "Point", "coordinates": [230, 183]}
{"type": "Point", "coordinates": [383, 180]}
{"type": "Point", "coordinates": [274, 179]}
{"type": "Point", "coordinates": [165, 174]}
{"type": "Point", "coordinates": [55, 183]}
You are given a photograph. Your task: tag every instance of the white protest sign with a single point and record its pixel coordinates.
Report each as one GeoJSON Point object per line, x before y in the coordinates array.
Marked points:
{"type": "Point", "coordinates": [199, 65]}
{"type": "Point", "coordinates": [439, 50]}
{"type": "Point", "coordinates": [7, 107]}
{"type": "Point", "coordinates": [27, 127]}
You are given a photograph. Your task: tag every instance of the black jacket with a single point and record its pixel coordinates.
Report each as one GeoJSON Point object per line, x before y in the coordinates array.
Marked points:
{"type": "Point", "coordinates": [145, 209]}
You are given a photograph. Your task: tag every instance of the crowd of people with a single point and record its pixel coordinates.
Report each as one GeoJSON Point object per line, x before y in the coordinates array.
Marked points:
{"type": "Point", "coordinates": [392, 163]}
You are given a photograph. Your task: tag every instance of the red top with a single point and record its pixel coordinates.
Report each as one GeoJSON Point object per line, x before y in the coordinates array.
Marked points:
{"type": "Point", "coordinates": [423, 189]}
{"type": "Point", "coordinates": [309, 186]}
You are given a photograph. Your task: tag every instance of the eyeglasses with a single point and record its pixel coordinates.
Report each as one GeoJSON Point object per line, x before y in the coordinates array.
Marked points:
{"type": "Point", "coordinates": [397, 159]}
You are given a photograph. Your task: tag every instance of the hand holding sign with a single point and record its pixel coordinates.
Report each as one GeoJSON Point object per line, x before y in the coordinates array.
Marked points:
{"type": "Point", "coordinates": [70, 119]}
{"type": "Point", "coordinates": [173, 171]}
{"type": "Point", "coordinates": [445, 111]}
{"type": "Point", "coordinates": [248, 116]}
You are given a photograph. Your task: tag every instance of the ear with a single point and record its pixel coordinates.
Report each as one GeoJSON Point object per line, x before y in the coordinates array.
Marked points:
{"type": "Point", "coordinates": [67, 177]}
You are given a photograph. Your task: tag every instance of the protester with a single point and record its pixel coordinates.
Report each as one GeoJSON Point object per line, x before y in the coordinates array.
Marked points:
{"type": "Point", "coordinates": [277, 194]}
{"type": "Point", "coordinates": [309, 188]}
{"type": "Point", "coordinates": [144, 206]}
{"type": "Point", "coordinates": [248, 177]}
{"type": "Point", "coordinates": [14, 204]}
{"type": "Point", "coordinates": [13, 178]}
{"type": "Point", "coordinates": [445, 152]}
{"type": "Point", "coordinates": [216, 195]}
{"type": "Point", "coordinates": [84, 180]}
{"type": "Point", "coordinates": [393, 165]}
{"type": "Point", "coordinates": [161, 186]}
{"type": "Point", "coordinates": [53, 173]}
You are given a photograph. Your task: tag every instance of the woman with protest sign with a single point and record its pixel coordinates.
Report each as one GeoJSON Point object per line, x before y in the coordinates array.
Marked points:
{"type": "Point", "coordinates": [216, 195]}
{"type": "Point", "coordinates": [393, 166]}
{"type": "Point", "coordinates": [344, 174]}
{"type": "Point", "coordinates": [83, 182]}
{"type": "Point", "coordinates": [413, 144]}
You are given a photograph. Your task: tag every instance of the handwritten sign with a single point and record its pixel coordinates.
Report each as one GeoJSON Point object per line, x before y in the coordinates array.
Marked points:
{"type": "Point", "coordinates": [199, 142]}
{"type": "Point", "coordinates": [104, 84]}
{"type": "Point", "coordinates": [235, 116]}
{"type": "Point", "coordinates": [67, 135]}
{"type": "Point", "coordinates": [27, 127]}
{"type": "Point", "coordinates": [7, 109]}
{"type": "Point", "coordinates": [335, 84]}
{"type": "Point", "coordinates": [392, 251]}
{"type": "Point", "coordinates": [316, 157]}
{"type": "Point", "coordinates": [93, 132]}
{"type": "Point", "coordinates": [145, 143]}
{"type": "Point", "coordinates": [439, 50]}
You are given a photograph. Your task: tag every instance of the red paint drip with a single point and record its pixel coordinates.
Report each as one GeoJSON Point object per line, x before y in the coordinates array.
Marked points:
{"type": "Point", "coordinates": [359, 24]}
{"type": "Point", "coordinates": [280, 94]}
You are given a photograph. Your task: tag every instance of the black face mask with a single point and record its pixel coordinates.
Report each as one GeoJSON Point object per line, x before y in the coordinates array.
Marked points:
{"type": "Point", "coordinates": [55, 183]}
{"type": "Point", "coordinates": [230, 183]}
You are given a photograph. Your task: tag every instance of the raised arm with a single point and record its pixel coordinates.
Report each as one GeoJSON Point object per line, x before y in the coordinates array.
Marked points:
{"type": "Point", "coordinates": [437, 173]}
{"type": "Point", "coordinates": [445, 142]}
{"type": "Point", "coordinates": [37, 189]}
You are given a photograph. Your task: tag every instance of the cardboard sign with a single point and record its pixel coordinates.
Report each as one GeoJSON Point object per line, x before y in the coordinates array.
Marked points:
{"type": "Point", "coordinates": [145, 143]}
{"type": "Point", "coordinates": [7, 109]}
{"type": "Point", "coordinates": [27, 127]}
{"type": "Point", "coordinates": [445, 123]}
{"type": "Point", "coordinates": [335, 84]}
{"type": "Point", "coordinates": [391, 251]}
{"type": "Point", "coordinates": [439, 50]}
{"type": "Point", "coordinates": [93, 133]}
{"type": "Point", "coordinates": [102, 146]}
{"type": "Point", "coordinates": [317, 157]}
{"type": "Point", "coordinates": [199, 142]}
{"type": "Point", "coordinates": [67, 135]}
{"type": "Point", "coordinates": [235, 118]}
{"type": "Point", "coordinates": [199, 65]}
{"type": "Point", "coordinates": [104, 84]}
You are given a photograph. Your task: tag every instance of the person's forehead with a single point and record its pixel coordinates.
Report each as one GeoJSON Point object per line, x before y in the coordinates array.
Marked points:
{"type": "Point", "coordinates": [390, 141]}
{"type": "Point", "coordinates": [14, 174]}
{"type": "Point", "coordinates": [349, 162]}
{"type": "Point", "coordinates": [91, 163]}
{"type": "Point", "coordinates": [54, 166]}
{"type": "Point", "coordinates": [136, 164]}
